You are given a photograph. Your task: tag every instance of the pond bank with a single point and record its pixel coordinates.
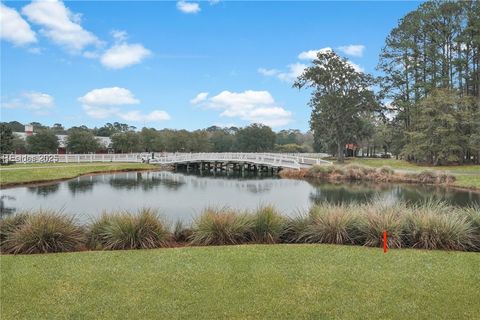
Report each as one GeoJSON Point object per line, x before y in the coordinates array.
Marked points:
{"type": "Point", "coordinates": [37, 175]}
{"type": "Point", "coordinates": [355, 172]}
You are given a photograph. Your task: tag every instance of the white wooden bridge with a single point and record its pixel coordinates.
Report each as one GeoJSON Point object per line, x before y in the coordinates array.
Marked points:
{"type": "Point", "coordinates": [272, 160]}
{"type": "Point", "coordinates": [235, 159]}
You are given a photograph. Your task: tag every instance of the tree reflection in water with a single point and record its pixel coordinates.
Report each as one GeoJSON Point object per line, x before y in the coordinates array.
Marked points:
{"type": "Point", "coordinates": [4, 210]}
{"type": "Point", "coordinates": [44, 190]}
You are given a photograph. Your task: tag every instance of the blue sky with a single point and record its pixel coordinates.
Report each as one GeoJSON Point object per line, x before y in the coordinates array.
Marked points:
{"type": "Point", "coordinates": [177, 64]}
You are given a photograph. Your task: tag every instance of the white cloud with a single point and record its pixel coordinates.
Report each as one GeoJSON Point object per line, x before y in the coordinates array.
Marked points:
{"type": "Point", "coordinates": [119, 35]}
{"type": "Point", "coordinates": [60, 24]}
{"type": "Point", "coordinates": [250, 105]}
{"type": "Point", "coordinates": [137, 116]}
{"type": "Point", "coordinates": [100, 112]}
{"type": "Point", "coordinates": [104, 103]}
{"type": "Point", "coordinates": [312, 54]}
{"type": "Point", "coordinates": [355, 50]}
{"type": "Point", "coordinates": [124, 55]}
{"type": "Point", "coordinates": [37, 102]}
{"type": "Point", "coordinates": [108, 97]}
{"type": "Point", "coordinates": [355, 66]}
{"type": "Point", "coordinates": [202, 96]}
{"type": "Point", "coordinates": [13, 28]}
{"type": "Point", "coordinates": [293, 72]}
{"type": "Point", "coordinates": [188, 7]}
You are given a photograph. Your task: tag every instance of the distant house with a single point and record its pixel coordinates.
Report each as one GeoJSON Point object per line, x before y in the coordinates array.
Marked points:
{"type": "Point", "coordinates": [105, 142]}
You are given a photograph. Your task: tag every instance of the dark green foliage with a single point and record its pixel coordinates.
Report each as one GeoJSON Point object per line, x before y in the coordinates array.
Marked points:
{"type": "Point", "coordinates": [81, 141]}
{"type": "Point", "coordinates": [342, 101]}
{"type": "Point", "coordinates": [255, 138]}
{"type": "Point", "coordinates": [6, 139]}
{"type": "Point", "coordinates": [44, 141]}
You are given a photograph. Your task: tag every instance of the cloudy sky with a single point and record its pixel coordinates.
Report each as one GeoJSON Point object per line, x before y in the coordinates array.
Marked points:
{"type": "Point", "coordinates": [181, 64]}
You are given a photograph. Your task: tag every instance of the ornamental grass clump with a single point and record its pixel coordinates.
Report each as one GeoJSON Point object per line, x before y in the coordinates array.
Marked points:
{"type": "Point", "coordinates": [435, 225]}
{"type": "Point", "coordinates": [8, 225]}
{"type": "Point", "coordinates": [335, 224]}
{"type": "Point", "coordinates": [219, 227]}
{"type": "Point", "coordinates": [125, 230]}
{"type": "Point", "coordinates": [376, 218]}
{"type": "Point", "coordinates": [267, 225]}
{"type": "Point", "coordinates": [295, 227]}
{"type": "Point", "coordinates": [41, 232]}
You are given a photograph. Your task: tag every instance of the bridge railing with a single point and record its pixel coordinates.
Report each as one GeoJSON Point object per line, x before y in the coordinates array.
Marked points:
{"type": "Point", "coordinates": [167, 158]}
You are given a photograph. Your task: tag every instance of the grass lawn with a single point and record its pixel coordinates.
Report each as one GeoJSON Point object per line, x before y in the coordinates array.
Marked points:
{"type": "Point", "coordinates": [46, 172]}
{"type": "Point", "coordinates": [242, 282]}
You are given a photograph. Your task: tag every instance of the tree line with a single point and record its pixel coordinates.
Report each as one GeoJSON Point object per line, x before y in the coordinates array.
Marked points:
{"type": "Point", "coordinates": [124, 139]}
{"type": "Point", "coordinates": [426, 105]}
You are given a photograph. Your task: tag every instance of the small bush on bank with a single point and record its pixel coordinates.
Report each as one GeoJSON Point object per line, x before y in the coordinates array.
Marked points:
{"type": "Point", "coordinates": [268, 225]}
{"type": "Point", "coordinates": [386, 170]}
{"type": "Point", "coordinates": [41, 232]}
{"type": "Point", "coordinates": [217, 227]}
{"type": "Point", "coordinates": [117, 231]}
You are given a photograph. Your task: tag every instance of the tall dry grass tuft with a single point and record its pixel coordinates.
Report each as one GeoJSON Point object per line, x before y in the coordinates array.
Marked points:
{"type": "Point", "coordinates": [41, 232]}
{"type": "Point", "coordinates": [118, 231]}
{"type": "Point", "coordinates": [376, 218]}
{"type": "Point", "coordinates": [218, 227]}
{"type": "Point", "coordinates": [268, 225]}
{"type": "Point", "coordinates": [436, 225]}
{"type": "Point", "coordinates": [331, 224]}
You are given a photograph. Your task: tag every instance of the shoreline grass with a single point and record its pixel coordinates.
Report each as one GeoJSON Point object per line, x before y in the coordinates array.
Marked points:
{"type": "Point", "coordinates": [242, 282]}
{"type": "Point", "coordinates": [432, 225]}
{"type": "Point", "coordinates": [355, 172]}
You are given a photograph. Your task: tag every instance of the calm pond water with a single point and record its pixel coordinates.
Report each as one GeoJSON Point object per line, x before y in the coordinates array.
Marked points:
{"type": "Point", "coordinates": [181, 196]}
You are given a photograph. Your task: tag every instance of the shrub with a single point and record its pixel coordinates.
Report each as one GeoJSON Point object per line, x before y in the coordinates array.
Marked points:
{"type": "Point", "coordinates": [117, 231]}
{"type": "Point", "coordinates": [268, 225]}
{"type": "Point", "coordinates": [386, 170]}
{"type": "Point", "coordinates": [436, 226]}
{"type": "Point", "coordinates": [377, 218]}
{"type": "Point", "coordinates": [330, 224]}
{"type": "Point", "coordinates": [217, 227]}
{"type": "Point", "coordinates": [356, 172]}
{"type": "Point", "coordinates": [321, 170]}
{"type": "Point", "coordinates": [41, 232]}
{"type": "Point", "coordinates": [427, 176]}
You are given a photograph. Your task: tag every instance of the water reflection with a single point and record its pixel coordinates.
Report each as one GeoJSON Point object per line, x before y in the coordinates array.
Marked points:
{"type": "Point", "coordinates": [44, 190]}
{"type": "Point", "coordinates": [182, 195]}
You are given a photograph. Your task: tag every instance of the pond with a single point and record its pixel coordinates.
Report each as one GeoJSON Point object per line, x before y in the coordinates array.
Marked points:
{"type": "Point", "coordinates": [181, 196]}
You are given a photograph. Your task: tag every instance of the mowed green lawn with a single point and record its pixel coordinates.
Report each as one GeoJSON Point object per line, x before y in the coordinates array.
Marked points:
{"type": "Point", "coordinates": [45, 172]}
{"type": "Point", "coordinates": [243, 282]}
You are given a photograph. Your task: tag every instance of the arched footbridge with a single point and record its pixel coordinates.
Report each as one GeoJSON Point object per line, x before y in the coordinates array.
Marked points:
{"type": "Point", "coordinates": [272, 160]}
{"type": "Point", "coordinates": [224, 160]}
